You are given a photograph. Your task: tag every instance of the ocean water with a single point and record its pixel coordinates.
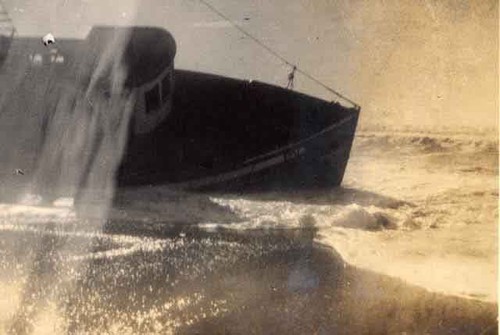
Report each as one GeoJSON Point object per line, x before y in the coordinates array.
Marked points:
{"type": "Point", "coordinates": [408, 244]}
{"type": "Point", "coordinates": [166, 261]}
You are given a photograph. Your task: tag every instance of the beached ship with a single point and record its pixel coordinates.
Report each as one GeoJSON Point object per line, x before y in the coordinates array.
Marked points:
{"type": "Point", "coordinates": [193, 130]}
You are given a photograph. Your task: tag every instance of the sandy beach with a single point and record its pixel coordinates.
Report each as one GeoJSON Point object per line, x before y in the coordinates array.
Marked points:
{"type": "Point", "coordinates": [421, 207]}
{"type": "Point", "coordinates": [407, 244]}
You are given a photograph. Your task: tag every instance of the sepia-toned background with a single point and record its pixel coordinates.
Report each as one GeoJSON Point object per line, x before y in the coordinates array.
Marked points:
{"type": "Point", "coordinates": [407, 244]}
{"type": "Point", "coordinates": [420, 64]}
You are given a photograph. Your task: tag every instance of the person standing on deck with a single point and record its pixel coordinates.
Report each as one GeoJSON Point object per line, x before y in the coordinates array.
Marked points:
{"type": "Point", "coordinates": [291, 77]}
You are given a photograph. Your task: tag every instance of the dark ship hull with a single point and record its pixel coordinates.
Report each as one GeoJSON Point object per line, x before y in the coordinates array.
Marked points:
{"type": "Point", "coordinates": [188, 130]}
{"type": "Point", "coordinates": [226, 133]}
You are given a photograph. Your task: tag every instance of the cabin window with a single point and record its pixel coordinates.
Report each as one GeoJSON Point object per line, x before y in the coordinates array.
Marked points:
{"type": "Point", "coordinates": [166, 87]}
{"type": "Point", "coordinates": [153, 99]}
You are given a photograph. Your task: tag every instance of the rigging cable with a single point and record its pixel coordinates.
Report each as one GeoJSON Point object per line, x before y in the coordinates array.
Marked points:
{"type": "Point", "coordinates": [276, 54]}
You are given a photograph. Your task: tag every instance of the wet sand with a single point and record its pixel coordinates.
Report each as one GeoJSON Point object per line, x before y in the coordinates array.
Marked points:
{"type": "Point", "coordinates": [422, 207]}
{"type": "Point", "coordinates": [187, 280]}
{"type": "Point", "coordinates": [406, 245]}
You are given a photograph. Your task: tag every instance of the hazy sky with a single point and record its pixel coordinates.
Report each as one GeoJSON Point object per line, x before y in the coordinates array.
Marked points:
{"type": "Point", "coordinates": [423, 63]}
